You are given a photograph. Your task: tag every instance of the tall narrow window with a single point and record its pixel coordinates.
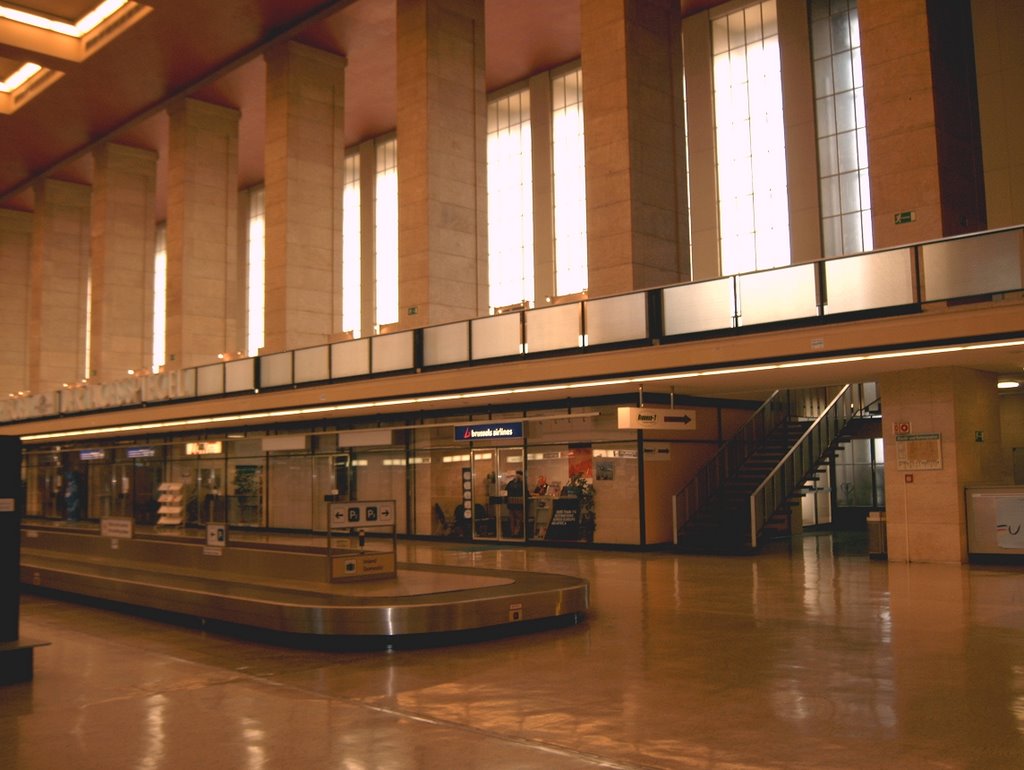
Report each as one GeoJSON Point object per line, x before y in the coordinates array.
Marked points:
{"type": "Point", "coordinates": [88, 326]}
{"type": "Point", "coordinates": [510, 200]}
{"type": "Point", "coordinates": [256, 271]}
{"type": "Point", "coordinates": [753, 209]}
{"type": "Point", "coordinates": [569, 169]}
{"type": "Point", "coordinates": [160, 299]}
{"type": "Point", "coordinates": [351, 249]}
{"type": "Point", "coordinates": [386, 233]}
{"type": "Point", "coordinates": [842, 132]}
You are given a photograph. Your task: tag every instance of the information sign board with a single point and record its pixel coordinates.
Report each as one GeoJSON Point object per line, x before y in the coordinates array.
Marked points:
{"type": "Point", "coordinates": [117, 527]}
{"type": "Point", "coordinates": [361, 515]}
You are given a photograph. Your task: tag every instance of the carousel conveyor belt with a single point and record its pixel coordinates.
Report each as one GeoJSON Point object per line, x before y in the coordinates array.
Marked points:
{"type": "Point", "coordinates": [287, 591]}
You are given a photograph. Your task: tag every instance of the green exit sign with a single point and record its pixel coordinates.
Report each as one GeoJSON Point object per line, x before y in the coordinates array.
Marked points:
{"type": "Point", "coordinates": [904, 217]}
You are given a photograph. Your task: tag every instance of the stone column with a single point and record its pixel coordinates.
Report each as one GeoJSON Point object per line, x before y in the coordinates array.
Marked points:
{"type": "Point", "coordinates": [304, 177]}
{"type": "Point", "coordinates": [123, 242]}
{"type": "Point", "coordinates": [956, 410]}
{"type": "Point", "coordinates": [700, 128]}
{"type": "Point", "coordinates": [999, 51]}
{"type": "Point", "coordinates": [801, 131]}
{"type": "Point", "coordinates": [924, 141]}
{"type": "Point", "coordinates": [442, 174]}
{"type": "Point", "coordinates": [58, 285]}
{"type": "Point", "coordinates": [202, 233]}
{"type": "Point", "coordinates": [15, 259]}
{"type": "Point", "coordinates": [541, 130]}
{"type": "Point", "coordinates": [636, 184]}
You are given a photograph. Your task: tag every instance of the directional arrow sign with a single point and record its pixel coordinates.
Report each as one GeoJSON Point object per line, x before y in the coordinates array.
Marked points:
{"type": "Point", "coordinates": [645, 418]}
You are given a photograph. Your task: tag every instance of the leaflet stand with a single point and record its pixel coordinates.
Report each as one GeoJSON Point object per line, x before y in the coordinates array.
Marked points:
{"type": "Point", "coordinates": [171, 511]}
{"type": "Point", "coordinates": [354, 519]}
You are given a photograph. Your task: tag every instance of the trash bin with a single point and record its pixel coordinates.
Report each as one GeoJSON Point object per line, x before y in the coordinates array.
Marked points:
{"type": "Point", "coordinates": [877, 547]}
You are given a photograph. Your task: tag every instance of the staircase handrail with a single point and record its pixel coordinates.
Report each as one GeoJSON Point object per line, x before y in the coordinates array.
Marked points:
{"type": "Point", "coordinates": [805, 455]}
{"type": "Point", "coordinates": [730, 456]}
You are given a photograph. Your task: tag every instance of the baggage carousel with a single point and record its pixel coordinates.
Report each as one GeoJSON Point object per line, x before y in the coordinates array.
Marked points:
{"type": "Point", "coordinates": [283, 589]}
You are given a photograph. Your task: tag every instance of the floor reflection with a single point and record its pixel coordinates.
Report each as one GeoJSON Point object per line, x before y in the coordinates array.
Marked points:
{"type": "Point", "coordinates": [807, 655]}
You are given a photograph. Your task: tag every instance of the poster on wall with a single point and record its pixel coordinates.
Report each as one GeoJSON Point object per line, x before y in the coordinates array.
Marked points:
{"type": "Point", "coordinates": [919, 452]}
{"type": "Point", "coordinates": [581, 461]}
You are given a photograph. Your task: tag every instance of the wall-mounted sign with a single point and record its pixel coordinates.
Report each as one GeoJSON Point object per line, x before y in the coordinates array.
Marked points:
{"type": "Point", "coordinates": [647, 418]}
{"type": "Point", "coordinates": [657, 451]}
{"type": "Point", "coordinates": [92, 454]}
{"type": "Point", "coordinates": [204, 447]}
{"type": "Point", "coordinates": [216, 534]}
{"type": "Point", "coordinates": [490, 430]}
{"type": "Point", "coordinates": [919, 452]}
{"type": "Point", "coordinates": [140, 452]}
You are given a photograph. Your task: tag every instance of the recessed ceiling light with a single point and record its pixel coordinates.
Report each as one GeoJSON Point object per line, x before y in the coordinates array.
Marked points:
{"type": "Point", "coordinates": [19, 77]}
{"type": "Point", "coordinates": [1008, 384]}
{"type": "Point", "coordinates": [80, 28]}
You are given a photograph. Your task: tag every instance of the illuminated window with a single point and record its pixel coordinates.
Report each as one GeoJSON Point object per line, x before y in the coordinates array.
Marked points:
{"type": "Point", "coordinates": [753, 210]}
{"type": "Point", "coordinates": [386, 233]}
{"type": "Point", "coordinates": [160, 299]}
{"type": "Point", "coordinates": [255, 253]}
{"type": "Point", "coordinates": [88, 324]}
{"type": "Point", "coordinates": [351, 249]}
{"type": "Point", "coordinates": [842, 132]}
{"type": "Point", "coordinates": [510, 200]}
{"type": "Point", "coordinates": [570, 191]}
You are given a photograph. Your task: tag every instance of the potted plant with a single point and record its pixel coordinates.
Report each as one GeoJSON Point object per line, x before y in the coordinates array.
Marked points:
{"type": "Point", "coordinates": [583, 489]}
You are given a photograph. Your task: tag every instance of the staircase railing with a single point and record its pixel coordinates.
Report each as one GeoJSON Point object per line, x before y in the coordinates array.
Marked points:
{"type": "Point", "coordinates": [800, 461]}
{"type": "Point", "coordinates": [779, 407]}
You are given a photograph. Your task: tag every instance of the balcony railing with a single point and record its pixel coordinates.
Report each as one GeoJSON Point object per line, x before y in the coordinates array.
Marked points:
{"type": "Point", "coordinates": [892, 281]}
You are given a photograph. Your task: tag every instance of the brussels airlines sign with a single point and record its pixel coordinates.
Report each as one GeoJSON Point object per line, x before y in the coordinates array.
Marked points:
{"type": "Point", "coordinates": [491, 430]}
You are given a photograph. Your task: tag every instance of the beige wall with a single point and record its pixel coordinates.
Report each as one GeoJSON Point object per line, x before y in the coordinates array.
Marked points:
{"type": "Point", "coordinates": [15, 258]}
{"type": "Point", "coordinates": [925, 507]}
{"type": "Point", "coordinates": [1011, 418]}
{"type": "Point", "coordinates": [687, 452]}
{"type": "Point", "coordinates": [58, 293]}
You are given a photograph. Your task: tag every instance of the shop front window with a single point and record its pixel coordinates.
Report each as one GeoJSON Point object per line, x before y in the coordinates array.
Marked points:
{"type": "Point", "coordinates": [43, 485]}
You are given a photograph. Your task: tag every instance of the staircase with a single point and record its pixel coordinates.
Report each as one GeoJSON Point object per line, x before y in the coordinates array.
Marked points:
{"type": "Point", "coordinates": [749, 486]}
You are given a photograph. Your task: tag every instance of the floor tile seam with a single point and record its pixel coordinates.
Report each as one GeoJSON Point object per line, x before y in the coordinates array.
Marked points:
{"type": "Point", "coordinates": [231, 674]}
{"type": "Point", "coordinates": [360, 703]}
{"type": "Point", "coordinates": [544, 746]}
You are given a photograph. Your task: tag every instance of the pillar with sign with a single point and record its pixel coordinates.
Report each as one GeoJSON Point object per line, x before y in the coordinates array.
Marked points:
{"type": "Point", "coordinates": [360, 558]}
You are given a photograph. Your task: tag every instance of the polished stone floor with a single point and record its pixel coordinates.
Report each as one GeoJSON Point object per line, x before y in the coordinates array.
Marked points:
{"type": "Point", "coordinates": [810, 655]}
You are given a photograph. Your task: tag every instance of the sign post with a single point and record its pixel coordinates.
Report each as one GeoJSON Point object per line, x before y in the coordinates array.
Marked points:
{"type": "Point", "coordinates": [356, 518]}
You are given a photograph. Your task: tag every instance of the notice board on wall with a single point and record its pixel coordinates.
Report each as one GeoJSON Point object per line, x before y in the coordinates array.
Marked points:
{"type": "Point", "coordinates": [919, 452]}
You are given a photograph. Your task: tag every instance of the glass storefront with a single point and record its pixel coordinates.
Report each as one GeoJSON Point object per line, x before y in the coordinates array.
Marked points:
{"type": "Point", "coordinates": [537, 477]}
{"type": "Point", "coordinates": [563, 477]}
